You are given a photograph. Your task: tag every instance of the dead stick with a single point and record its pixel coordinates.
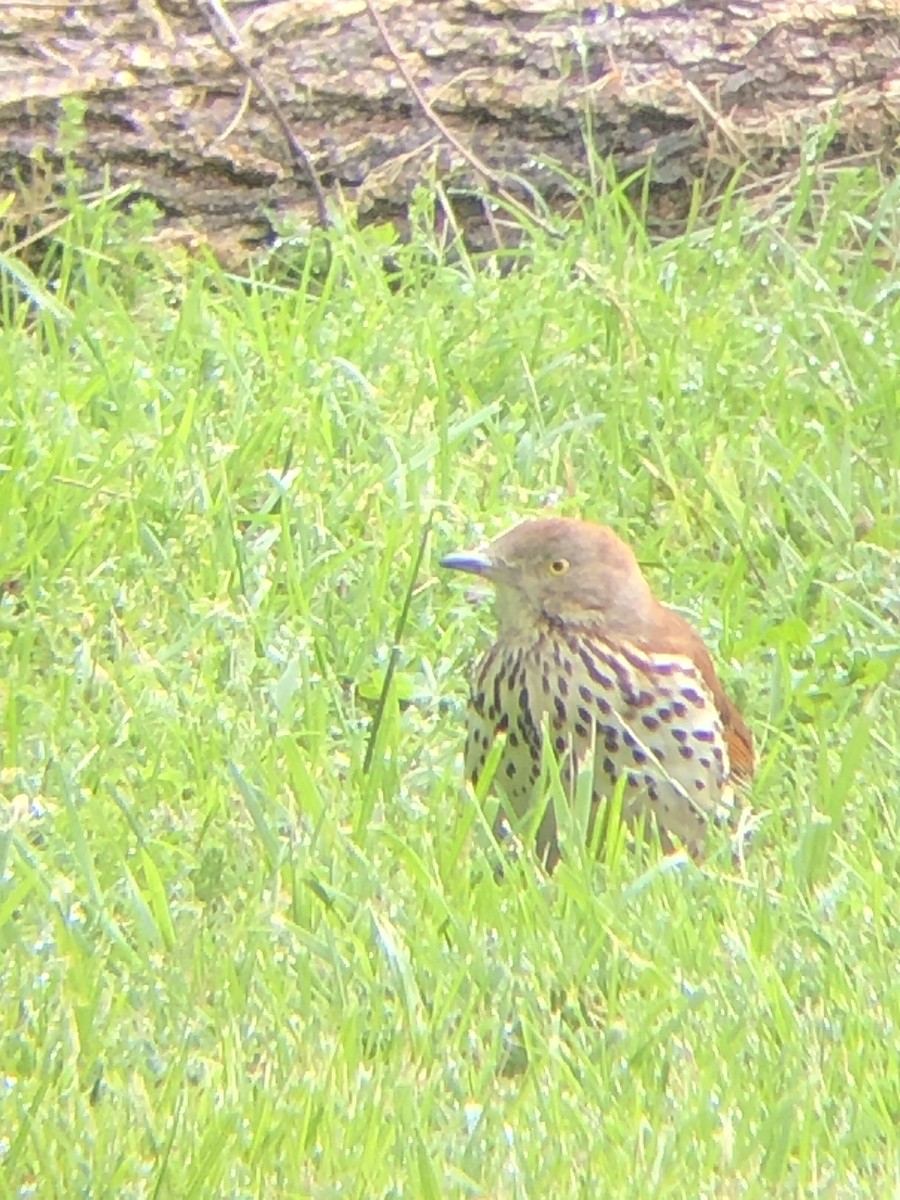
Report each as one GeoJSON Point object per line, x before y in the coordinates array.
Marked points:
{"type": "Point", "coordinates": [493, 181]}
{"type": "Point", "coordinates": [228, 38]}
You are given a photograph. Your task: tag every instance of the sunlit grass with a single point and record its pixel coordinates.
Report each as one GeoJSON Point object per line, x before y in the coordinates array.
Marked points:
{"type": "Point", "coordinates": [236, 963]}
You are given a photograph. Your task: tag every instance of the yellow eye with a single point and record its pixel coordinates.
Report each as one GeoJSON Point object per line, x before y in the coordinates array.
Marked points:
{"type": "Point", "coordinates": [559, 566]}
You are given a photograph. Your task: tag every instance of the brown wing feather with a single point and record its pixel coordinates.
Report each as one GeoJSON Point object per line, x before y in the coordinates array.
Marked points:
{"type": "Point", "coordinates": [676, 635]}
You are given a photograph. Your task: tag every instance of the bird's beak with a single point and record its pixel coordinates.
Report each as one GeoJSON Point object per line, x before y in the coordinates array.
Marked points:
{"type": "Point", "coordinates": [468, 560]}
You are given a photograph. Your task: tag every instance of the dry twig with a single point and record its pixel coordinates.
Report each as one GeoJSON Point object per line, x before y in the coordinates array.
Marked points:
{"type": "Point", "coordinates": [495, 184]}
{"type": "Point", "coordinates": [228, 38]}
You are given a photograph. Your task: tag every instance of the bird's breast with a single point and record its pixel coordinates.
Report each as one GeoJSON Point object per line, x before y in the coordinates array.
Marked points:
{"type": "Point", "coordinates": [648, 719]}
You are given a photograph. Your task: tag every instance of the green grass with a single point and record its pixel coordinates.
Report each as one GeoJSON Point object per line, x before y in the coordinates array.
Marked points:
{"type": "Point", "coordinates": [233, 962]}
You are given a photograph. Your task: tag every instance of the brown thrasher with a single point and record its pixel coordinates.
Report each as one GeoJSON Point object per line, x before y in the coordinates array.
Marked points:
{"type": "Point", "coordinates": [587, 652]}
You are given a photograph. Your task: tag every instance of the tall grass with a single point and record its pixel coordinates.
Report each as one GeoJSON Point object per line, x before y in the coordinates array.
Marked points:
{"type": "Point", "coordinates": [234, 962]}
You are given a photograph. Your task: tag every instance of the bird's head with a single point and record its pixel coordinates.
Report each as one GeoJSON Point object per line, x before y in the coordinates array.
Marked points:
{"type": "Point", "coordinates": [561, 570]}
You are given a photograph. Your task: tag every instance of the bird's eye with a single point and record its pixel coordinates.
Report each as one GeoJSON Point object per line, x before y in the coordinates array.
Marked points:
{"type": "Point", "coordinates": [559, 566]}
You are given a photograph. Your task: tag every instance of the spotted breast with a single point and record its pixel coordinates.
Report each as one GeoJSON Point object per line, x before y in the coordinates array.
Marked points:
{"type": "Point", "coordinates": [650, 721]}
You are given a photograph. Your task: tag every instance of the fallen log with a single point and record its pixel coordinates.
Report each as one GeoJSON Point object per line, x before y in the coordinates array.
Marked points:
{"type": "Point", "coordinates": [194, 106]}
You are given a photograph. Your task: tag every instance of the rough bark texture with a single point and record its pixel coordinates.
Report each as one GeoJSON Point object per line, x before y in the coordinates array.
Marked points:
{"type": "Point", "coordinates": [699, 88]}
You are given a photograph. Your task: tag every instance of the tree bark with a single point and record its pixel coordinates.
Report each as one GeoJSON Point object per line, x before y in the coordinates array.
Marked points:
{"type": "Point", "coordinates": [696, 89]}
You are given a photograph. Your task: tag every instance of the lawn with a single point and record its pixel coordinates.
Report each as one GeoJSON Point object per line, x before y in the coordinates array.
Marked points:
{"type": "Point", "coordinates": [237, 963]}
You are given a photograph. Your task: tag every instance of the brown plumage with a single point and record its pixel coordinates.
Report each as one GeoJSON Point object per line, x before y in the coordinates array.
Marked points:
{"type": "Point", "coordinates": [586, 651]}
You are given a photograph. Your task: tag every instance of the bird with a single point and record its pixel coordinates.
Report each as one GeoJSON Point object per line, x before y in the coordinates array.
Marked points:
{"type": "Point", "coordinates": [588, 660]}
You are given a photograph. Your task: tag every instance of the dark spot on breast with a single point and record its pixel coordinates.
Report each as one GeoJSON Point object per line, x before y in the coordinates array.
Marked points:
{"type": "Point", "coordinates": [636, 658]}
{"type": "Point", "coordinates": [679, 708]}
{"type": "Point", "coordinates": [704, 762]}
{"type": "Point", "coordinates": [623, 678]}
{"type": "Point", "coordinates": [487, 663]}
{"type": "Point", "coordinates": [498, 680]}
{"type": "Point", "coordinates": [563, 686]}
{"type": "Point", "coordinates": [560, 709]}
{"type": "Point", "coordinates": [699, 785]}
{"type": "Point", "coordinates": [478, 702]}
{"type": "Point", "coordinates": [680, 735]}
{"type": "Point", "coordinates": [585, 693]}
{"type": "Point", "coordinates": [633, 780]}
{"type": "Point", "coordinates": [663, 668]}
{"type": "Point", "coordinates": [685, 752]}
{"type": "Point", "coordinates": [603, 705]}
{"type": "Point", "coordinates": [660, 753]}
{"type": "Point", "coordinates": [704, 735]}
{"type": "Point", "coordinates": [717, 754]}
{"type": "Point", "coordinates": [513, 739]}
{"type": "Point", "coordinates": [629, 739]}
{"type": "Point", "coordinates": [639, 756]}
{"type": "Point", "coordinates": [561, 743]}
{"type": "Point", "coordinates": [531, 735]}
{"type": "Point", "coordinates": [523, 699]}
{"type": "Point", "coordinates": [510, 769]}
{"type": "Point", "coordinates": [693, 697]}
{"type": "Point", "coordinates": [642, 699]}
{"type": "Point", "coordinates": [580, 730]}
{"type": "Point", "coordinates": [545, 684]}
{"type": "Point", "coordinates": [594, 672]}
{"type": "Point", "coordinates": [609, 767]}
{"type": "Point", "coordinates": [650, 722]}
{"type": "Point", "coordinates": [612, 742]}
{"type": "Point", "coordinates": [584, 715]}
{"type": "Point", "coordinates": [664, 714]}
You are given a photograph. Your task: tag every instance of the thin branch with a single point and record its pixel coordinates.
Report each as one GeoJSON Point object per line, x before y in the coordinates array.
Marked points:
{"type": "Point", "coordinates": [494, 182]}
{"type": "Point", "coordinates": [239, 114]}
{"type": "Point", "coordinates": [725, 127]}
{"type": "Point", "coordinates": [228, 39]}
